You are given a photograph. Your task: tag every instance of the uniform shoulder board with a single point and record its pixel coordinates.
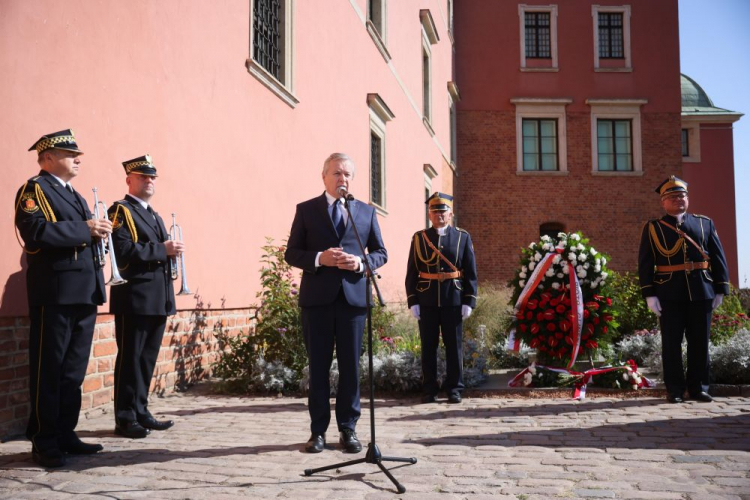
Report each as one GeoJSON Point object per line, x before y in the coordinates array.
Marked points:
{"type": "Point", "coordinates": [701, 216]}
{"type": "Point", "coordinates": [35, 178]}
{"type": "Point", "coordinates": [462, 230]}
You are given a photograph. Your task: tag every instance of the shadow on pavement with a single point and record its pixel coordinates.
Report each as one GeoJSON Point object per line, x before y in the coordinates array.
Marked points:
{"type": "Point", "coordinates": [718, 433]}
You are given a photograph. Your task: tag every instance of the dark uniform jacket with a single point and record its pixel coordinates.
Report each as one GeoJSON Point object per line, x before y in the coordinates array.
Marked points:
{"type": "Point", "coordinates": [312, 232]}
{"type": "Point", "coordinates": [52, 223]}
{"type": "Point", "coordinates": [662, 246]}
{"type": "Point", "coordinates": [456, 247]}
{"type": "Point", "coordinates": [142, 260]}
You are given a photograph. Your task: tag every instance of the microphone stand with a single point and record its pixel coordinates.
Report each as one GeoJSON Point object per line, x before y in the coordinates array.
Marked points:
{"type": "Point", "coordinates": [373, 455]}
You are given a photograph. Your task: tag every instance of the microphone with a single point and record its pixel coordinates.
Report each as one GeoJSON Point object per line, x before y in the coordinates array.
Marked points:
{"type": "Point", "coordinates": [343, 193]}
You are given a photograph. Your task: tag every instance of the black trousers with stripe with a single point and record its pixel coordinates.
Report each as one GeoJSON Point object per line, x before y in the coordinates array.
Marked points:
{"type": "Point", "coordinates": [60, 339]}
{"type": "Point", "coordinates": [138, 343]}
{"type": "Point", "coordinates": [434, 321]}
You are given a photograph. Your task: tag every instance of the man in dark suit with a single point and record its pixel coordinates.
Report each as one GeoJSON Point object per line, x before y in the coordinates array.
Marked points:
{"type": "Point", "coordinates": [64, 285]}
{"type": "Point", "coordinates": [141, 305]}
{"type": "Point", "coordinates": [333, 296]}
{"type": "Point", "coordinates": [684, 277]}
{"type": "Point", "coordinates": [441, 291]}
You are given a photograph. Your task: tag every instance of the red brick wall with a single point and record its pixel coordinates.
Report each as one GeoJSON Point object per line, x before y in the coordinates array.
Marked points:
{"type": "Point", "coordinates": [503, 210]}
{"type": "Point", "coordinates": [189, 349]}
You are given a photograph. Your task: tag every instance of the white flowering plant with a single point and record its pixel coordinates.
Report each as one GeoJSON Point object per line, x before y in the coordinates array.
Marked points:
{"type": "Point", "coordinates": [545, 322]}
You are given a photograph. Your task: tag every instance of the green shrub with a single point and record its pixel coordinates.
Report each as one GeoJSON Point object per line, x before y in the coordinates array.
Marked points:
{"type": "Point", "coordinates": [730, 362]}
{"type": "Point", "coordinates": [628, 304]}
{"type": "Point", "coordinates": [728, 318]}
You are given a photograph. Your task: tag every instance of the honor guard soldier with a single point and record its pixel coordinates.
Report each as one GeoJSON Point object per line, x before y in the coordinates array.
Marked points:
{"type": "Point", "coordinates": [141, 305]}
{"type": "Point", "coordinates": [683, 276]}
{"type": "Point", "coordinates": [441, 290]}
{"type": "Point", "coordinates": [64, 286]}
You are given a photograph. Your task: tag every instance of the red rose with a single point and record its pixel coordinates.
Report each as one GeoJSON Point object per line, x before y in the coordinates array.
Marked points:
{"type": "Point", "coordinates": [564, 325]}
{"type": "Point", "coordinates": [549, 314]}
{"type": "Point", "coordinates": [529, 315]}
{"type": "Point", "coordinates": [609, 301]}
{"type": "Point", "coordinates": [589, 328]}
{"type": "Point", "coordinates": [550, 327]}
{"type": "Point", "coordinates": [559, 335]}
{"type": "Point", "coordinates": [592, 305]}
{"type": "Point", "coordinates": [539, 317]}
{"type": "Point", "coordinates": [534, 343]}
{"type": "Point", "coordinates": [523, 327]}
{"type": "Point", "coordinates": [598, 297]}
{"type": "Point", "coordinates": [591, 344]}
{"type": "Point", "coordinates": [546, 296]}
{"type": "Point", "coordinates": [605, 329]}
{"type": "Point", "coordinates": [585, 313]}
{"type": "Point", "coordinates": [531, 304]}
{"type": "Point", "coordinates": [520, 315]}
{"type": "Point", "coordinates": [608, 317]}
{"type": "Point", "coordinates": [535, 328]}
{"type": "Point", "coordinates": [560, 308]}
{"type": "Point", "coordinates": [595, 320]}
{"type": "Point", "coordinates": [569, 340]}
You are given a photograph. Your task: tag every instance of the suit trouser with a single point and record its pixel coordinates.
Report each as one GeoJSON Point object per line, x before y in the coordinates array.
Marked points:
{"type": "Point", "coordinates": [432, 321]}
{"type": "Point", "coordinates": [693, 321]}
{"type": "Point", "coordinates": [59, 347]}
{"type": "Point", "coordinates": [138, 343]}
{"type": "Point", "coordinates": [342, 325]}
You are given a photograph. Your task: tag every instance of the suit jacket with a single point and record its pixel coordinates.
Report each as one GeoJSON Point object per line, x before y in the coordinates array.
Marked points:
{"type": "Point", "coordinates": [660, 247]}
{"type": "Point", "coordinates": [312, 232]}
{"type": "Point", "coordinates": [138, 238]}
{"type": "Point", "coordinates": [455, 246]}
{"type": "Point", "coordinates": [58, 244]}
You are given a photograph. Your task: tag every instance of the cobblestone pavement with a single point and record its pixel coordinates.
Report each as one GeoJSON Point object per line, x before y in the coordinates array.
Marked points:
{"type": "Point", "coordinates": [501, 448]}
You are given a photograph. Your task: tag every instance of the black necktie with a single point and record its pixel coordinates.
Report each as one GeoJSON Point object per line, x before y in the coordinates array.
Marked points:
{"type": "Point", "coordinates": [69, 188]}
{"type": "Point", "coordinates": [338, 219]}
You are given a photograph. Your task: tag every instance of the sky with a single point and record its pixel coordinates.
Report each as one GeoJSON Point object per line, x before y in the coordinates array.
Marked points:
{"type": "Point", "coordinates": [715, 52]}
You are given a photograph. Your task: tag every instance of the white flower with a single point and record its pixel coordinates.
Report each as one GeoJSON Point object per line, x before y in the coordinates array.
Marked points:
{"type": "Point", "coordinates": [604, 276]}
{"type": "Point", "coordinates": [582, 274]}
{"type": "Point", "coordinates": [532, 368]}
{"type": "Point", "coordinates": [574, 236]}
{"type": "Point", "coordinates": [580, 247]}
{"type": "Point", "coordinates": [560, 275]}
{"type": "Point", "coordinates": [561, 245]}
{"type": "Point", "coordinates": [556, 259]}
{"type": "Point", "coordinates": [546, 246]}
{"type": "Point", "coordinates": [527, 379]}
{"type": "Point", "coordinates": [629, 368]}
{"type": "Point", "coordinates": [532, 265]}
{"type": "Point", "coordinates": [597, 268]}
{"type": "Point", "coordinates": [537, 256]}
{"type": "Point", "coordinates": [550, 272]}
{"type": "Point", "coordinates": [586, 265]}
{"type": "Point", "coordinates": [625, 376]}
{"type": "Point", "coordinates": [582, 257]}
{"type": "Point", "coordinates": [594, 283]}
{"type": "Point", "coordinates": [556, 285]}
{"type": "Point", "coordinates": [634, 387]}
{"type": "Point", "coordinates": [637, 379]}
{"type": "Point", "coordinates": [522, 274]}
{"type": "Point", "coordinates": [540, 287]}
{"type": "Point", "coordinates": [604, 261]}
{"type": "Point", "coordinates": [566, 270]}
{"type": "Point", "coordinates": [593, 251]}
{"type": "Point", "coordinates": [532, 245]}
{"type": "Point", "coordinates": [522, 283]}
{"type": "Point", "coordinates": [598, 261]}
{"type": "Point", "coordinates": [572, 258]}
{"type": "Point", "coordinates": [546, 238]}
{"type": "Point", "coordinates": [562, 235]}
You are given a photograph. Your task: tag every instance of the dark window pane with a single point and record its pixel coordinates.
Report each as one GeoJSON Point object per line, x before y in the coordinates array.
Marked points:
{"type": "Point", "coordinates": [267, 35]}
{"type": "Point", "coordinates": [614, 145]}
{"type": "Point", "coordinates": [376, 170]}
{"type": "Point", "coordinates": [537, 35]}
{"type": "Point", "coordinates": [539, 144]}
{"type": "Point", "coordinates": [685, 143]}
{"type": "Point", "coordinates": [611, 38]}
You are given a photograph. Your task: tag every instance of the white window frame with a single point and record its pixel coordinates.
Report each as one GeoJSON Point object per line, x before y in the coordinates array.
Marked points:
{"type": "Point", "coordinates": [625, 11]}
{"type": "Point", "coordinates": [694, 140]}
{"type": "Point", "coordinates": [283, 89]}
{"type": "Point", "coordinates": [534, 108]}
{"type": "Point", "coordinates": [380, 114]}
{"type": "Point", "coordinates": [552, 10]}
{"type": "Point", "coordinates": [378, 35]}
{"type": "Point", "coordinates": [617, 109]}
{"type": "Point", "coordinates": [453, 98]}
{"type": "Point", "coordinates": [429, 174]}
{"type": "Point", "coordinates": [429, 37]}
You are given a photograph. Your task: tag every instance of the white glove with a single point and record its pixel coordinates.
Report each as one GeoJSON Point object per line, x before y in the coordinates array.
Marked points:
{"type": "Point", "coordinates": [717, 300]}
{"type": "Point", "coordinates": [465, 311]}
{"type": "Point", "coordinates": [654, 305]}
{"type": "Point", "coordinates": [415, 311]}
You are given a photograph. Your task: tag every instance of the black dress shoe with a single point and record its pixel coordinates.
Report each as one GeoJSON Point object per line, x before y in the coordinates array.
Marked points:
{"type": "Point", "coordinates": [316, 443]}
{"type": "Point", "coordinates": [348, 440]}
{"type": "Point", "coordinates": [454, 398]}
{"type": "Point", "coordinates": [78, 447]}
{"type": "Point", "coordinates": [702, 396]}
{"type": "Point", "coordinates": [675, 399]}
{"type": "Point", "coordinates": [156, 425]}
{"type": "Point", "coordinates": [132, 430]}
{"type": "Point", "coordinates": [429, 398]}
{"type": "Point", "coordinates": [49, 458]}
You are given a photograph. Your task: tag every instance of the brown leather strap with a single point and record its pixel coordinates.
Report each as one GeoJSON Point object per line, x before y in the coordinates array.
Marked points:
{"type": "Point", "coordinates": [441, 276]}
{"type": "Point", "coordinates": [684, 235]}
{"type": "Point", "coordinates": [442, 257]}
{"type": "Point", "coordinates": [688, 266]}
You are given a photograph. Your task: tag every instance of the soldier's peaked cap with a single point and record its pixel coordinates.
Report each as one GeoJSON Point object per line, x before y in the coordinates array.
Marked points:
{"type": "Point", "coordinates": [64, 139]}
{"type": "Point", "coordinates": [143, 165]}
{"type": "Point", "coordinates": [439, 202]}
{"type": "Point", "coordinates": [672, 185]}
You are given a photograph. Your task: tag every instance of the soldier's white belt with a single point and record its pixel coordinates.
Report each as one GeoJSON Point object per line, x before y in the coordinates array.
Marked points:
{"type": "Point", "coordinates": [688, 266]}
{"type": "Point", "coordinates": [441, 276]}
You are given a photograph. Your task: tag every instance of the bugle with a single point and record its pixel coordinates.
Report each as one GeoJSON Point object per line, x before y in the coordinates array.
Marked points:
{"type": "Point", "coordinates": [100, 251]}
{"type": "Point", "coordinates": [175, 233]}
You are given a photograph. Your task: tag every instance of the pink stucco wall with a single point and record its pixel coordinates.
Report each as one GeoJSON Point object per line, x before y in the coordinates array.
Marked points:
{"type": "Point", "coordinates": [168, 78]}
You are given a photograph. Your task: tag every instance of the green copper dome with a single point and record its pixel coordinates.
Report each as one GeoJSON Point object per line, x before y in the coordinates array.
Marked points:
{"type": "Point", "coordinates": [693, 94]}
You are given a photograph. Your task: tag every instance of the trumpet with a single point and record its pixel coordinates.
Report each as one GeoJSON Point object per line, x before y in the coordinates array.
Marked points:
{"type": "Point", "coordinates": [100, 251]}
{"type": "Point", "coordinates": [175, 233]}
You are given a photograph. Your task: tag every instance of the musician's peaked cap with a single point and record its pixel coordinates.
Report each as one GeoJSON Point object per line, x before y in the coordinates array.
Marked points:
{"type": "Point", "coordinates": [672, 185]}
{"type": "Point", "coordinates": [439, 202]}
{"type": "Point", "coordinates": [64, 139]}
{"type": "Point", "coordinates": [143, 165]}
